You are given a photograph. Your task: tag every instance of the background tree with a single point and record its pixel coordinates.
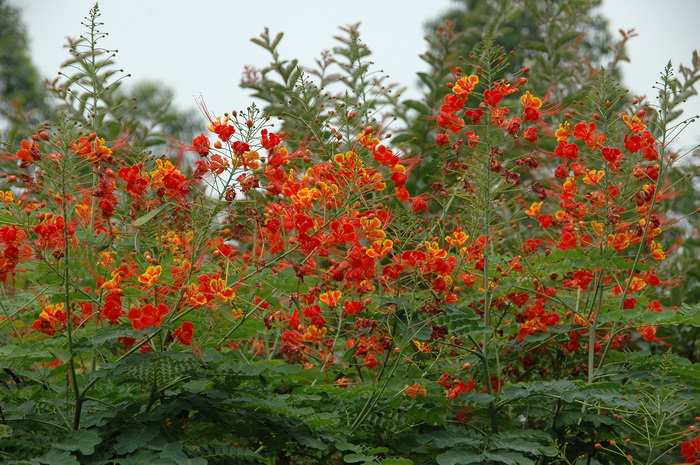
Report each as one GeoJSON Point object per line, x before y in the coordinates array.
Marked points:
{"type": "Point", "coordinates": [23, 99]}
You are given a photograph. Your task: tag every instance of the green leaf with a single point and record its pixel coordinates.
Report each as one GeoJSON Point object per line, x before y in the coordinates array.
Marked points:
{"type": "Point", "coordinates": [418, 106]}
{"type": "Point", "coordinates": [173, 451]}
{"type": "Point", "coordinates": [5, 431]}
{"type": "Point", "coordinates": [356, 458]}
{"type": "Point", "coordinates": [459, 457]}
{"type": "Point", "coordinates": [509, 458]}
{"type": "Point", "coordinates": [450, 436]}
{"type": "Point", "coordinates": [397, 462]}
{"type": "Point", "coordinates": [81, 440]}
{"type": "Point", "coordinates": [401, 138]}
{"type": "Point", "coordinates": [148, 216]}
{"type": "Point", "coordinates": [11, 351]}
{"type": "Point", "coordinates": [539, 46]}
{"type": "Point", "coordinates": [134, 438]}
{"type": "Point", "coordinates": [521, 445]}
{"type": "Point", "coordinates": [55, 457]}
{"type": "Point", "coordinates": [476, 397]}
{"type": "Point", "coordinates": [61, 354]}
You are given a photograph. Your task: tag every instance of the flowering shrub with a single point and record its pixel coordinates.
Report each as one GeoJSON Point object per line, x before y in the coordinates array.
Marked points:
{"type": "Point", "coordinates": [286, 301]}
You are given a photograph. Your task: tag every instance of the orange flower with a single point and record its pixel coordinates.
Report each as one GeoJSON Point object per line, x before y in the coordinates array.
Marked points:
{"type": "Point", "coordinates": [534, 209]}
{"type": "Point", "coordinates": [457, 239]}
{"type": "Point", "coordinates": [51, 318]}
{"type": "Point", "coordinates": [423, 347]}
{"type": "Point", "coordinates": [6, 197]}
{"type": "Point", "coordinates": [563, 132]}
{"type": "Point", "coordinates": [331, 298]}
{"type": "Point", "coordinates": [434, 250]}
{"type": "Point", "coordinates": [532, 106]}
{"type": "Point", "coordinates": [169, 177]}
{"type": "Point", "coordinates": [84, 148]}
{"type": "Point", "coordinates": [194, 297]}
{"type": "Point", "coordinates": [150, 277]}
{"type": "Point", "coordinates": [634, 124]}
{"type": "Point", "coordinates": [223, 130]}
{"type": "Point", "coordinates": [380, 248]}
{"type": "Point", "coordinates": [530, 100]}
{"type": "Point", "coordinates": [314, 334]}
{"type": "Point", "coordinates": [305, 197]}
{"type": "Point", "coordinates": [29, 153]}
{"type": "Point", "coordinates": [465, 85]}
{"type": "Point", "coordinates": [223, 292]}
{"type": "Point", "coordinates": [458, 388]}
{"type": "Point", "coordinates": [593, 177]}
{"type": "Point", "coordinates": [619, 241]}
{"type": "Point", "coordinates": [414, 391]}
{"type": "Point", "coordinates": [657, 252]}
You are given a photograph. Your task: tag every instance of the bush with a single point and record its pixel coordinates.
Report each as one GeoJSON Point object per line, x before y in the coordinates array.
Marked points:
{"type": "Point", "coordinates": [292, 297]}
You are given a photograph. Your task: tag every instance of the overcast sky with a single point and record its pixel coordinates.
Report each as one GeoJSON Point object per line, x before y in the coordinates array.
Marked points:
{"type": "Point", "coordinates": [197, 49]}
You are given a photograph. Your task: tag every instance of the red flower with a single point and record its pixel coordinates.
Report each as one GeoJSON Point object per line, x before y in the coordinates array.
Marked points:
{"type": "Point", "coordinates": [184, 333]}
{"type": "Point", "coordinates": [493, 97]}
{"type": "Point", "coordinates": [613, 157]}
{"type": "Point", "coordinates": [418, 204]}
{"type": "Point", "coordinates": [530, 134]}
{"type": "Point", "coordinates": [371, 362]}
{"type": "Point", "coordinates": [269, 140]}
{"type": "Point", "coordinates": [566, 150]}
{"type": "Point", "coordinates": [459, 388]}
{"type": "Point", "coordinates": [200, 144]}
{"type": "Point", "coordinates": [29, 153]}
{"type": "Point", "coordinates": [223, 130]}
{"type": "Point", "coordinates": [474, 115]}
{"type": "Point", "coordinates": [568, 240]}
{"type": "Point", "coordinates": [147, 316]}
{"type": "Point", "coordinates": [352, 307]}
{"type": "Point", "coordinates": [442, 139]}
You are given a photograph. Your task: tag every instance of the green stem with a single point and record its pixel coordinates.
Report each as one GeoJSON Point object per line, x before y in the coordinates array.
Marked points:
{"type": "Point", "coordinates": [67, 302]}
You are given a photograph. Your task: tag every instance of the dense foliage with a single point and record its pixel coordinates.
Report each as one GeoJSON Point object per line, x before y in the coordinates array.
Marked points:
{"type": "Point", "coordinates": [292, 295]}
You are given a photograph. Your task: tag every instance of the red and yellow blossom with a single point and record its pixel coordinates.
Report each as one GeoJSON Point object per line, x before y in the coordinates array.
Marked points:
{"type": "Point", "coordinates": [6, 197]}
{"type": "Point", "coordinates": [657, 252]}
{"type": "Point", "coordinates": [634, 124]}
{"type": "Point", "coordinates": [532, 106]}
{"type": "Point", "coordinates": [168, 177]}
{"type": "Point", "coordinates": [151, 275]}
{"type": "Point", "coordinates": [222, 128]}
{"type": "Point", "coordinates": [457, 238]}
{"type": "Point", "coordinates": [414, 391]}
{"type": "Point", "coordinates": [618, 241]}
{"type": "Point", "coordinates": [465, 85]}
{"type": "Point", "coordinates": [380, 248]}
{"type": "Point", "coordinates": [52, 318]}
{"type": "Point", "coordinates": [563, 132]}
{"type": "Point", "coordinates": [331, 298]}
{"type": "Point", "coordinates": [93, 149]}
{"type": "Point", "coordinates": [534, 209]}
{"type": "Point", "coordinates": [593, 177]}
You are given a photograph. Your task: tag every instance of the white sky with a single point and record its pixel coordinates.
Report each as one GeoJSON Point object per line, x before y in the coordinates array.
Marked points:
{"type": "Point", "coordinates": [197, 49]}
